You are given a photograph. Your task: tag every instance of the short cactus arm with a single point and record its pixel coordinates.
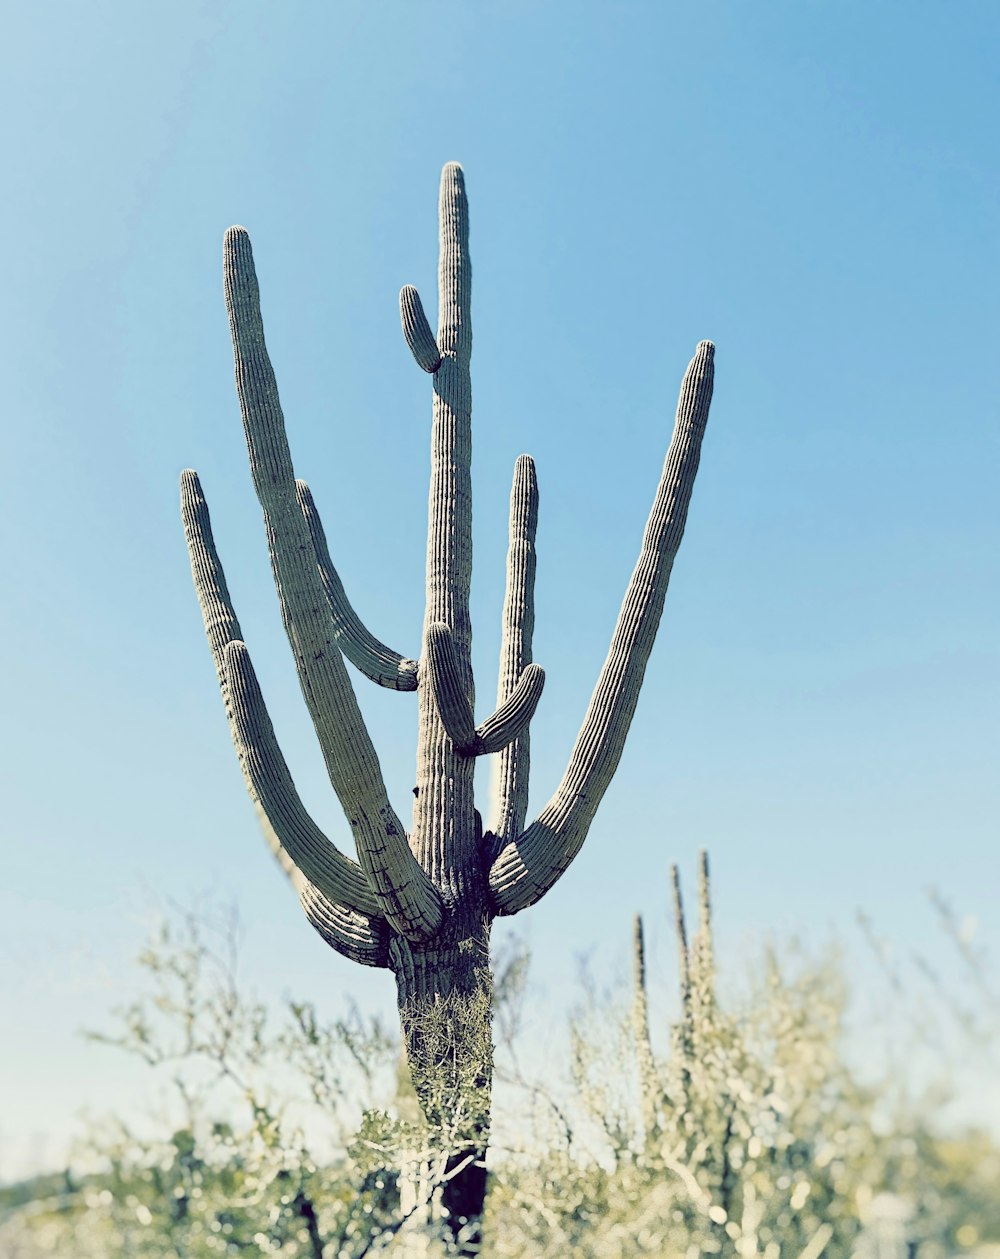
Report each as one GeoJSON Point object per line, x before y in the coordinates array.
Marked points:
{"type": "Point", "coordinates": [510, 721]}
{"type": "Point", "coordinates": [445, 682]}
{"type": "Point", "coordinates": [417, 330]}
{"type": "Point", "coordinates": [527, 867]}
{"type": "Point", "coordinates": [444, 679]}
{"type": "Point", "coordinates": [371, 657]}
{"type": "Point", "coordinates": [510, 772]}
{"type": "Point", "coordinates": [404, 893]}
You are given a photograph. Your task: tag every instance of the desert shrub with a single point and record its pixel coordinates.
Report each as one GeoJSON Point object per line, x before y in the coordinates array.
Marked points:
{"type": "Point", "coordinates": [744, 1130]}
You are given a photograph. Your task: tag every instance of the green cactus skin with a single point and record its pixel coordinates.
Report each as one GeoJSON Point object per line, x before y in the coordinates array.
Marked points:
{"type": "Point", "coordinates": [421, 904]}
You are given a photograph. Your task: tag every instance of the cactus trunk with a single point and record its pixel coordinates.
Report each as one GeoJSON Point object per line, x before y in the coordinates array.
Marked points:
{"type": "Point", "coordinates": [445, 1001]}
{"type": "Point", "coordinates": [421, 904]}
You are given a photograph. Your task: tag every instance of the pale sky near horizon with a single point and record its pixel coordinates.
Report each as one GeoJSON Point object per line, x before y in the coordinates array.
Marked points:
{"type": "Point", "coordinates": [812, 186]}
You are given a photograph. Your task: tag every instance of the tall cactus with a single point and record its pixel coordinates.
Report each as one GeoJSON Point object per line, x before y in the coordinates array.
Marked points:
{"type": "Point", "coordinates": [421, 903]}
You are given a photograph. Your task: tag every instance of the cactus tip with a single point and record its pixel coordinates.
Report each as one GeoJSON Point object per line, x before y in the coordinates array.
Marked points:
{"type": "Point", "coordinates": [237, 241]}
{"type": "Point", "coordinates": [453, 175]}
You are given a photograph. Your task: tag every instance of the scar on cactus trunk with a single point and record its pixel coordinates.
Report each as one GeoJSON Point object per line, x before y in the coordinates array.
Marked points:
{"type": "Point", "coordinates": [420, 902]}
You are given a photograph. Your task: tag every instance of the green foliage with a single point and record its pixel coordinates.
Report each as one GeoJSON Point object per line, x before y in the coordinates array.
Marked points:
{"type": "Point", "coordinates": [748, 1134]}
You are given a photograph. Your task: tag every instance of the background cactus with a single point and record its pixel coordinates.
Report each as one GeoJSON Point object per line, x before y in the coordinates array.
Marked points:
{"type": "Point", "coordinates": [421, 903]}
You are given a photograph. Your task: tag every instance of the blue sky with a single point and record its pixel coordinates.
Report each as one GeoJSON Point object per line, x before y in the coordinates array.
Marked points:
{"type": "Point", "coordinates": [812, 186]}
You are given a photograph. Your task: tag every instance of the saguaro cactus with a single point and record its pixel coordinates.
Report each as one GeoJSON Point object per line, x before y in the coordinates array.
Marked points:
{"type": "Point", "coordinates": [421, 902]}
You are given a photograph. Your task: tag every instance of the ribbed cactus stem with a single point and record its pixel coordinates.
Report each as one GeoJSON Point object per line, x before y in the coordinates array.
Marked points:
{"type": "Point", "coordinates": [529, 865]}
{"type": "Point", "coordinates": [370, 656]}
{"type": "Point", "coordinates": [417, 330]}
{"type": "Point", "coordinates": [443, 813]}
{"type": "Point", "coordinates": [404, 893]}
{"type": "Point", "coordinates": [510, 775]}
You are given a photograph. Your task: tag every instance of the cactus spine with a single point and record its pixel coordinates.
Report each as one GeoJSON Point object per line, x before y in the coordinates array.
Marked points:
{"type": "Point", "coordinates": [421, 903]}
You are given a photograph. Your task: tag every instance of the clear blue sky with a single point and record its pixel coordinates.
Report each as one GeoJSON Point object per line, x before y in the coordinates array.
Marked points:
{"type": "Point", "coordinates": [812, 186]}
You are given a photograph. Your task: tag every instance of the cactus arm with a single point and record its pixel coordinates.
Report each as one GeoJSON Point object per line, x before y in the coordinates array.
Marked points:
{"type": "Point", "coordinates": [221, 627]}
{"type": "Point", "coordinates": [444, 679]}
{"type": "Point", "coordinates": [510, 770]}
{"type": "Point", "coordinates": [264, 766]}
{"type": "Point", "coordinates": [404, 893]}
{"type": "Point", "coordinates": [355, 936]}
{"type": "Point", "coordinates": [417, 330]}
{"type": "Point", "coordinates": [358, 935]}
{"type": "Point", "coordinates": [510, 721]}
{"type": "Point", "coordinates": [445, 682]}
{"type": "Point", "coordinates": [218, 613]}
{"type": "Point", "coordinates": [371, 657]}
{"type": "Point", "coordinates": [443, 811]}
{"type": "Point", "coordinates": [527, 867]}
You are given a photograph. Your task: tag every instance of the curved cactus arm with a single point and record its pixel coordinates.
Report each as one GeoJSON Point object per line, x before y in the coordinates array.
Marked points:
{"type": "Point", "coordinates": [265, 768]}
{"type": "Point", "coordinates": [371, 657]}
{"type": "Point", "coordinates": [358, 935]}
{"type": "Point", "coordinates": [217, 611]}
{"type": "Point", "coordinates": [362, 939]}
{"type": "Point", "coordinates": [445, 682]}
{"type": "Point", "coordinates": [221, 627]}
{"type": "Point", "coordinates": [417, 330]}
{"type": "Point", "coordinates": [510, 721]}
{"type": "Point", "coordinates": [404, 893]}
{"type": "Point", "coordinates": [528, 866]}
{"type": "Point", "coordinates": [509, 787]}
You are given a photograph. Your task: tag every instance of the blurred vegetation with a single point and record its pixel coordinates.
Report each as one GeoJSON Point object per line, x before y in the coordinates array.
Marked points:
{"type": "Point", "coordinates": [748, 1133]}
